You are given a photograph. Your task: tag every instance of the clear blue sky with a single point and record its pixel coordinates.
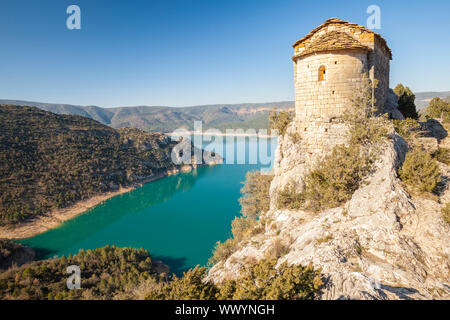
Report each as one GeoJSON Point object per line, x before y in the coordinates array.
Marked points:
{"type": "Point", "coordinates": [191, 52]}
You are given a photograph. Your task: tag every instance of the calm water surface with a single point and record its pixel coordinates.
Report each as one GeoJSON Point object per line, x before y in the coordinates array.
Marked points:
{"type": "Point", "coordinates": [177, 218]}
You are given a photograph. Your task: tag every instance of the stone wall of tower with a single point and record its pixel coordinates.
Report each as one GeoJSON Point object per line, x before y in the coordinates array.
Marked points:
{"type": "Point", "coordinates": [319, 105]}
{"type": "Point", "coordinates": [378, 61]}
{"type": "Point", "coordinates": [327, 99]}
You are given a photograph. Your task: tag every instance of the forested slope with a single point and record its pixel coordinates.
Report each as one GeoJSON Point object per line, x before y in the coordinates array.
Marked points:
{"type": "Point", "coordinates": [50, 161]}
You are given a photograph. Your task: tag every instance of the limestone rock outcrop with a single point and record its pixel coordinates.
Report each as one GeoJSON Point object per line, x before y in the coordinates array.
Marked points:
{"type": "Point", "coordinates": [381, 244]}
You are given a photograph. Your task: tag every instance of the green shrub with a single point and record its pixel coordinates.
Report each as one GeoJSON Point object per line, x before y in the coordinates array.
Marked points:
{"type": "Point", "coordinates": [408, 128]}
{"type": "Point", "coordinates": [278, 121]}
{"type": "Point", "coordinates": [254, 201]}
{"type": "Point", "coordinates": [223, 250]}
{"type": "Point", "coordinates": [372, 130]}
{"type": "Point", "coordinates": [365, 128]}
{"type": "Point", "coordinates": [406, 100]}
{"type": "Point", "coordinates": [188, 287]}
{"type": "Point", "coordinates": [262, 281]}
{"type": "Point", "coordinates": [290, 199]}
{"type": "Point", "coordinates": [255, 194]}
{"type": "Point", "coordinates": [106, 272]}
{"type": "Point", "coordinates": [333, 182]}
{"type": "Point", "coordinates": [446, 213]}
{"type": "Point", "coordinates": [242, 228]}
{"type": "Point", "coordinates": [420, 171]}
{"type": "Point", "coordinates": [442, 155]}
{"type": "Point", "coordinates": [438, 108]}
{"type": "Point", "coordinates": [259, 281]}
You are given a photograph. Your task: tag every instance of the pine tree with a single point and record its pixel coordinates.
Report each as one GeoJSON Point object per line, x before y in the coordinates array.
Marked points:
{"type": "Point", "coordinates": [406, 100]}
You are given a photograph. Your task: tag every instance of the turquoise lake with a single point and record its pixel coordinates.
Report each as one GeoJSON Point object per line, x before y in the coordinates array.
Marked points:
{"type": "Point", "coordinates": [178, 218]}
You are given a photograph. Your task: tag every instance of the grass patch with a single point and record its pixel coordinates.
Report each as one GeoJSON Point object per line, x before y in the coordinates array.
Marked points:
{"type": "Point", "coordinates": [277, 250]}
{"type": "Point", "coordinates": [324, 239]}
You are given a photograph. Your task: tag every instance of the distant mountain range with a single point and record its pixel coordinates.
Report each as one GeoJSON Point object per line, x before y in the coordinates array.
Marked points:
{"type": "Point", "coordinates": [167, 119]}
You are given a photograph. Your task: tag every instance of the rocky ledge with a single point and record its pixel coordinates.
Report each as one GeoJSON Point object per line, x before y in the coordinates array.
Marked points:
{"type": "Point", "coordinates": [381, 244]}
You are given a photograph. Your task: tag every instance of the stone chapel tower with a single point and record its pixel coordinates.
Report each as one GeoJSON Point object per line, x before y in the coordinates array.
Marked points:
{"type": "Point", "coordinates": [329, 63]}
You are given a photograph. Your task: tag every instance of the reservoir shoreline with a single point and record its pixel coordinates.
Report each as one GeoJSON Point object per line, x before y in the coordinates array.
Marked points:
{"type": "Point", "coordinates": [224, 134]}
{"type": "Point", "coordinates": [55, 218]}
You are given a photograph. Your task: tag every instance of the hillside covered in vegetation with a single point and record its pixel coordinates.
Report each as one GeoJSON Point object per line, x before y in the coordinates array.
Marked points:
{"type": "Point", "coordinates": [14, 254]}
{"type": "Point", "coordinates": [50, 161]}
{"type": "Point", "coordinates": [168, 119]}
{"type": "Point", "coordinates": [127, 273]}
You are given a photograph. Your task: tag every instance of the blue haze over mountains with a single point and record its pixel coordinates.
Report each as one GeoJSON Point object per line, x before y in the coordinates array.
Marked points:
{"type": "Point", "coordinates": [167, 119]}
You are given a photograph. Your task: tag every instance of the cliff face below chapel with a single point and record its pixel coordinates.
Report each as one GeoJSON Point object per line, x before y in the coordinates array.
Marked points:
{"type": "Point", "coordinates": [381, 244]}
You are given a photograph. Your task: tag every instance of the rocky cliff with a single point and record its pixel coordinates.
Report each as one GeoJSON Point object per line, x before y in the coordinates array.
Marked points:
{"type": "Point", "coordinates": [381, 244]}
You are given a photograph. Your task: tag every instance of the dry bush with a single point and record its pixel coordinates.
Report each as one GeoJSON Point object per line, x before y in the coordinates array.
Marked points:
{"type": "Point", "coordinates": [279, 121]}
{"type": "Point", "coordinates": [442, 155]}
{"type": "Point", "coordinates": [278, 249]}
{"type": "Point", "coordinates": [223, 250]}
{"type": "Point", "coordinates": [420, 171]}
{"type": "Point", "coordinates": [265, 281]}
{"type": "Point", "coordinates": [408, 129]}
{"type": "Point", "coordinates": [438, 108]}
{"type": "Point", "coordinates": [332, 183]}
{"type": "Point", "coordinates": [255, 194]}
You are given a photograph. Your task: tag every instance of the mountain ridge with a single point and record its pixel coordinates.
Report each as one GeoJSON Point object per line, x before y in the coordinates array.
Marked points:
{"type": "Point", "coordinates": [166, 118]}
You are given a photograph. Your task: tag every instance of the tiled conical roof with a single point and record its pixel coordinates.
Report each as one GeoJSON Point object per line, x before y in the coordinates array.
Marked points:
{"type": "Point", "coordinates": [342, 22]}
{"type": "Point", "coordinates": [334, 40]}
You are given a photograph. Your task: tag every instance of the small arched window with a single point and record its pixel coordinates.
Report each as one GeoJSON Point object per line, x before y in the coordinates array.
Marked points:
{"type": "Point", "coordinates": [322, 73]}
